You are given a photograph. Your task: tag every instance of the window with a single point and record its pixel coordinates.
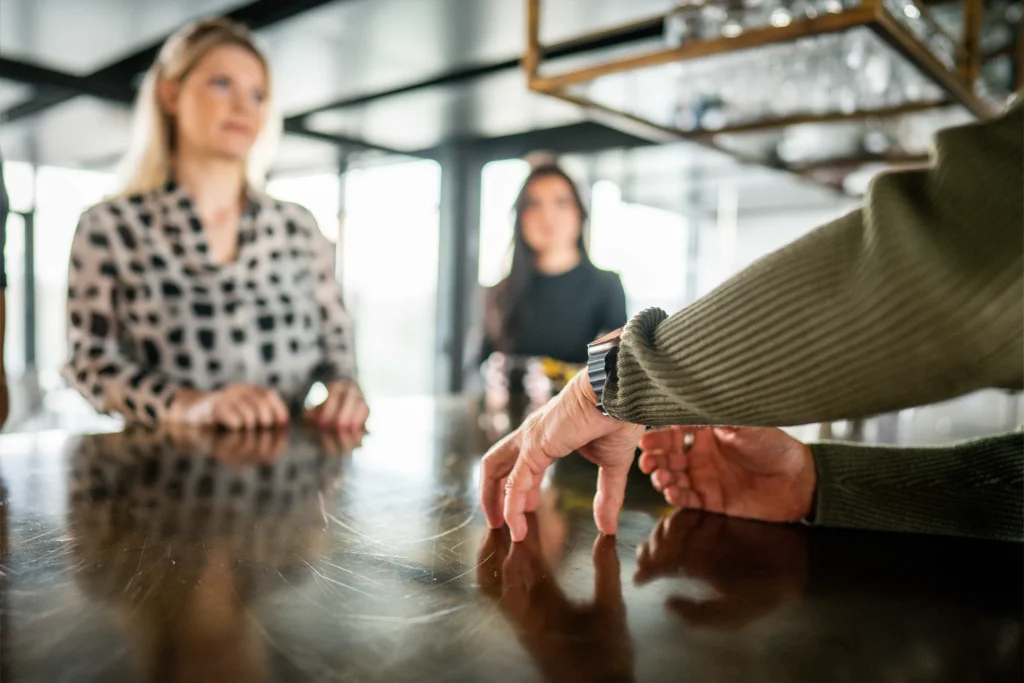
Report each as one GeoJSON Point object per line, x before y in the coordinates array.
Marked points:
{"type": "Point", "coordinates": [389, 257]}
{"type": "Point", "coordinates": [500, 183]}
{"type": "Point", "coordinates": [646, 246]}
{"type": "Point", "coordinates": [18, 177]}
{"type": "Point", "coordinates": [14, 302]}
{"type": "Point", "coordinates": [62, 194]}
{"type": "Point", "coordinates": [320, 193]}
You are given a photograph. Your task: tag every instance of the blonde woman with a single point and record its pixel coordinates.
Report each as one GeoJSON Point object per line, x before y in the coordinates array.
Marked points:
{"type": "Point", "coordinates": [193, 296]}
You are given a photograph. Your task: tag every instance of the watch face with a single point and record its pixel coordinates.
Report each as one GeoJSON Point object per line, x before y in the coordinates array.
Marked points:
{"type": "Point", "coordinates": [607, 338]}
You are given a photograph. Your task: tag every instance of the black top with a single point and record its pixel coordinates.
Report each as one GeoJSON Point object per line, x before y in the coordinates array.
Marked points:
{"type": "Point", "coordinates": [563, 313]}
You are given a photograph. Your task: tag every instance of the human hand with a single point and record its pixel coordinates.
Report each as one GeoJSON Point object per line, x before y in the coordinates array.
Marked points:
{"type": "Point", "coordinates": [236, 406]}
{"type": "Point", "coordinates": [755, 568]}
{"type": "Point", "coordinates": [569, 641]}
{"type": "Point", "coordinates": [511, 472]}
{"type": "Point", "coordinates": [344, 410]}
{"type": "Point", "coordinates": [751, 472]}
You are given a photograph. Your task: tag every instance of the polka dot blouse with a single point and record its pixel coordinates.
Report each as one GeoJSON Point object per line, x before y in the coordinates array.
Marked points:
{"type": "Point", "coordinates": [150, 312]}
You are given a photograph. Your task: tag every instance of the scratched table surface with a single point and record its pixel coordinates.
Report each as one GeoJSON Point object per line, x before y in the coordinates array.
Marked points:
{"type": "Point", "coordinates": [142, 556]}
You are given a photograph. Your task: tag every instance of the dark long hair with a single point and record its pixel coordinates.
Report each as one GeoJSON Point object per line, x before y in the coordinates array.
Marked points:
{"type": "Point", "coordinates": [510, 293]}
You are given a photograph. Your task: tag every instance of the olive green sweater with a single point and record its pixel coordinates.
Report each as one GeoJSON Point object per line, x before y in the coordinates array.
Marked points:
{"type": "Point", "coordinates": [970, 489]}
{"type": "Point", "coordinates": [915, 298]}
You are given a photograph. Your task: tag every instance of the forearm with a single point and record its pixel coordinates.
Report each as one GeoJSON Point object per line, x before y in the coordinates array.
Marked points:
{"type": "Point", "coordinates": [912, 300]}
{"type": "Point", "coordinates": [113, 384]}
{"type": "Point", "coordinates": [101, 365]}
{"type": "Point", "coordinates": [971, 489]}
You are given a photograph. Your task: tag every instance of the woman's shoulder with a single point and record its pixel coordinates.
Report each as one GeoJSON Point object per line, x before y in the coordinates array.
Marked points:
{"type": "Point", "coordinates": [608, 278]}
{"type": "Point", "coordinates": [291, 210]}
{"type": "Point", "coordinates": [297, 215]}
{"type": "Point", "coordinates": [107, 211]}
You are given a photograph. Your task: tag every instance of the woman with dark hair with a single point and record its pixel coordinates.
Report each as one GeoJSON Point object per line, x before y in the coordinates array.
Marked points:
{"type": "Point", "coordinates": [554, 301]}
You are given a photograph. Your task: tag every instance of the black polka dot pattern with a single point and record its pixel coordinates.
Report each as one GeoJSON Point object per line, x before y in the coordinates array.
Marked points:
{"type": "Point", "coordinates": [207, 339]}
{"type": "Point", "coordinates": [150, 311]}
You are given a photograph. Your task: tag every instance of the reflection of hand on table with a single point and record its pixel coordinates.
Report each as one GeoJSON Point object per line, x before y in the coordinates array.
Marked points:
{"type": "Point", "coordinates": [233, 448]}
{"type": "Point", "coordinates": [754, 567]}
{"type": "Point", "coordinates": [245, 448]}
{"type": "Point", "coordinates": [339, 443]}
{"type": "Point", "coordinates": [568, 641]}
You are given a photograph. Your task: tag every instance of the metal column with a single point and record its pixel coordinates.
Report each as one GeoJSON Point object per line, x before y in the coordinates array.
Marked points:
{"type": "Point", "coordinates": [458, 261]}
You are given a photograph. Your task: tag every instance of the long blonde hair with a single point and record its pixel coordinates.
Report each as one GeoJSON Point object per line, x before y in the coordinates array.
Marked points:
{"type": "Point", "coordinates": [147, 164]}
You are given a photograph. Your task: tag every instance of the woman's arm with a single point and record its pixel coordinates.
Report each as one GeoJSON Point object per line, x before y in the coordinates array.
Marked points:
{"type": "Point", "coordinates": [912, 299]}
{"type": "Point", "coordinates": [99, 366]}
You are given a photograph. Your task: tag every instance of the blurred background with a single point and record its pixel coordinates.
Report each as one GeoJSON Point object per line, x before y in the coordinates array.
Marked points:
{"type": "Point", "coordinates": [704, 135]}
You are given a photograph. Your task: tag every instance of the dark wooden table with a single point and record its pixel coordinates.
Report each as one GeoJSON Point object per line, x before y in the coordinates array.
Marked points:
{"type": "Point", "coordinates": [142, 557]}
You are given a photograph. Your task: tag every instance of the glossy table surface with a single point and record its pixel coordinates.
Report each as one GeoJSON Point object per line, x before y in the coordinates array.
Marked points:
{"type": "Point", "coordinates": [144, 557]}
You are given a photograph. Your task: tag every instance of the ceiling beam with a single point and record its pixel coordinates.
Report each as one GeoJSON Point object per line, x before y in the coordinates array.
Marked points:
{"type": "Point", "coordinates": [60, 84]}
{"type": "Point", "coordinates": [57, 85]}
{"type": "Point", "coordinates": [111, 83]}
{"type": "Point", "coordinates": [644, 30]}
{"type": "Point", "coordinates": [256, 15]}
{"type": "Point", "coordinates": [346, 143]}
{"type": "Point", "coordinates": [574, 138]}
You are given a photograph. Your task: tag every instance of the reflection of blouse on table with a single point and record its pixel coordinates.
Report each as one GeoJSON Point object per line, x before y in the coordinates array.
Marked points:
{"type": "Point", "coordinates": [149, 311]}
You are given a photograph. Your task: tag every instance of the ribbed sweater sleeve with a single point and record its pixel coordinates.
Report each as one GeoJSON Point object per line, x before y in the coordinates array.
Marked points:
{"type": "Point", "coordinates": [970, 489]}
{"type": "Point", "coordinates": [915, 298]}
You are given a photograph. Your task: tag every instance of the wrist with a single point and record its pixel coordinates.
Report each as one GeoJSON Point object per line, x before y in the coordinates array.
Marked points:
{"type": "Point", "coordinates": [184, 400]}
{"type": "Point", "coordinates": [602, 362]}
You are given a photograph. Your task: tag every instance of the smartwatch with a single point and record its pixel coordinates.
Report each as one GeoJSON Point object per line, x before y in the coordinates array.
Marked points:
{"type": "Point", "coordinates": [602, 360]}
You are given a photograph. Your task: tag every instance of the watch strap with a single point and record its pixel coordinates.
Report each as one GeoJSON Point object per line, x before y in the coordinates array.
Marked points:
{"type": "Point", "coordinates": [602, 358]}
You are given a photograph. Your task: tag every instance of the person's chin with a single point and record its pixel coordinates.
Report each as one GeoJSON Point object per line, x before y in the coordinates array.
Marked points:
{"type": "Point", "coordinates": [232, 152]}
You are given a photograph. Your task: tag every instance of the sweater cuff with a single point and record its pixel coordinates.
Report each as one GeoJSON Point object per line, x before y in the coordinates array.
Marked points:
{"type": "Point", "coordinates": [630, 395]}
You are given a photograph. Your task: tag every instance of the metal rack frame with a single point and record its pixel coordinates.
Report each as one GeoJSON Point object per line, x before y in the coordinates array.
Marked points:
{"type": "Point", "coordinates": [958, 84]}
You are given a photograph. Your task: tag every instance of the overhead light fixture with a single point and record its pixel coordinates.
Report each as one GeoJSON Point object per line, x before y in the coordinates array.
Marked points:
{"type": "Point", "coordinates": [736, 67]}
